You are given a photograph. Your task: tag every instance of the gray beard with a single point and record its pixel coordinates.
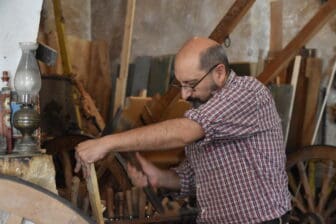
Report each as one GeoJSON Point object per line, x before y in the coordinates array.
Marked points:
{"type": "Point", "coordinates": [196, 102]}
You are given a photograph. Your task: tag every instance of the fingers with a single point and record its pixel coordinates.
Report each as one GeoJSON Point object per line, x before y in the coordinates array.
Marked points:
{"type": "Point", "coordinates": [86, 170]}
{"type": "Point", "coordinates": [78, 163]}
{"type": "Point", "coordinates": [138, 178]}
{"type": "Point", "coordinates": [143, 162]}
{"type": "Point", "coordinates": [81, 164]}
{"type": "Point", "coordinates": [91, 151]}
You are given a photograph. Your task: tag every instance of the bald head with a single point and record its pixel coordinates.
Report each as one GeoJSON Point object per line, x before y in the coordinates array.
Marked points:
{"type": "Point", "coordinates": [191, 51]}
{"type": "Point", "coordinates": [198, 54]}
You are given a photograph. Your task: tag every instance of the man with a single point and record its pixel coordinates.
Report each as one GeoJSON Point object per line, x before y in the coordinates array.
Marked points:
{"type": "Point", "coordinates": [235, 157]}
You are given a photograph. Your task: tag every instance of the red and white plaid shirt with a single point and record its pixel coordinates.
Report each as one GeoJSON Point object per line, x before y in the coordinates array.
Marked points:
{"type": "Point", "coordinates": [238, 169]}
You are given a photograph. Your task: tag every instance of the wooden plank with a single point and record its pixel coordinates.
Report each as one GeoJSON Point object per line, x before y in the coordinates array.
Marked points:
{"type": "Point", "coordinates": [231, 19]}
{"type": "Point", "coordinates": [326, 12]}
{"type": "Point", "coordinates": [125, 57]}
{"type": "Point", "coordinates": [294, 81]}
{"type": "Point", "coordinates": [284, 96]}
{"type": "Point", "coordinates": [93, 190]}
{"type": "Point", "coordinates": [324, 103]}
{"type": "Point", "coordinates": [295, 131]}
{"type": "Point", "coordinates": [314, 73]}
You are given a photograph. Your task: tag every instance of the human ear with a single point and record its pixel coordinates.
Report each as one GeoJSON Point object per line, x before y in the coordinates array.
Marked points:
{"type": "Point", "coordinates": [220, 75]}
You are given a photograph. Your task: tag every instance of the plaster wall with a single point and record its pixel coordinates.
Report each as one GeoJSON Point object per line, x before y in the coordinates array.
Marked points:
{"type": "Point", "coordinates": [161, 27]}
{"type": "Point", "coordinates": [76, 14]}
{"type": "Point", "coordinates": [19, 23]}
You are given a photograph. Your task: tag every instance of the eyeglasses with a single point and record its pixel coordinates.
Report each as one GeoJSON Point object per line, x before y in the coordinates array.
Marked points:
{"type": "Point", "coordinates": [193, 86]}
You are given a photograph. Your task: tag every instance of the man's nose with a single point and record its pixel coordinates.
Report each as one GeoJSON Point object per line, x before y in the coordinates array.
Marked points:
{"type": "Point", "coordinates": [185, 93]}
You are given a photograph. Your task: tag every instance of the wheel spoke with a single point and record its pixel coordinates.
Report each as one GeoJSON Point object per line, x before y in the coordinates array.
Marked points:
{"type": "Point", "coordinates": [297, 197]}
{"type": "Point", "coordinates": [331, 209]}
{"type": "Point", "coordinates": [311, 177]}
{"type": "Point", "coordinates": [325, 190]}
{"type": "Point", "coordinates": [306, 187]}
{"type": "Point", "coordinates": [299, 205]}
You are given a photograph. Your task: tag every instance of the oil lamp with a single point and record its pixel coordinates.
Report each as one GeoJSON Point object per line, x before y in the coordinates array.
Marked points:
{"type": "Point", "coordinates": [27, 83]}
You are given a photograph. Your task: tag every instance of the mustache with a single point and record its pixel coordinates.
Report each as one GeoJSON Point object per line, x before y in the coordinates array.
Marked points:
{"type": "Point", "coordinates": [195, 102]}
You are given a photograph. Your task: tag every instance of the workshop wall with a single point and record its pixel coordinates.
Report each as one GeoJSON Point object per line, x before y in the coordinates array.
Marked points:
{"type": "Point", "coordinates": [161, 26]}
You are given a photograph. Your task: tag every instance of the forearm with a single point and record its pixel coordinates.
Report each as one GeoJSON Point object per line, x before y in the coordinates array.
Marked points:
{"type": "Point", "coordinates": [169, 179]}
{"type": "Point", "coordinates": [164, 135]}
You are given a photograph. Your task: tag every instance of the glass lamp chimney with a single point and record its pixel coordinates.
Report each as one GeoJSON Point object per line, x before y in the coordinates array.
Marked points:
{"type": "Point", "coordinates": [27, 80]}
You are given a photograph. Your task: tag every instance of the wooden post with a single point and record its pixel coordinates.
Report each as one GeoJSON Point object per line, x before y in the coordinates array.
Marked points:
{"type": "Point", "coordinates": [125, 57]}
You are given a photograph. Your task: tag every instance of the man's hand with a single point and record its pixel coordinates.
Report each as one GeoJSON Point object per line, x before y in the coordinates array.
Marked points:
{"type": "Point", "coordinates": [88, 152]}
{"type": "Point", "coordinates": [150, 173]}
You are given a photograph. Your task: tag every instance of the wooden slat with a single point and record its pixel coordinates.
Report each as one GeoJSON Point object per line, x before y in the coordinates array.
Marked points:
{"type": "Point", "coordinates": [231, 19]}
{"type": "Point", "coordinates": [125, 57]}
{"type": "Point", "coordinates": [307, 32]}
{"type": "Point", "coordinates": [306, 187]}
{"type": "Point", "coordinates": [325, 190]}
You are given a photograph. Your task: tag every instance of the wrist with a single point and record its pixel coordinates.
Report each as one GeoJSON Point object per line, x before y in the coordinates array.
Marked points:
{"type": "Point", "coordinates": [106, 143]}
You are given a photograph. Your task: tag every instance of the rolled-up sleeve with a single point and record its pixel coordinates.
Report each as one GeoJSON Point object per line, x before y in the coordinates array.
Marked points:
{"type": "Point", "coordinates": [187, 179]}
{"type": "Point", "coordinates": [227, 117]}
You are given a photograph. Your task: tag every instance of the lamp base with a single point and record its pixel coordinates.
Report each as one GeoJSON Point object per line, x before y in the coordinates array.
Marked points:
{"type": "Point", "coordinates": [22, 147]}
{"type": "Point", "coordinates": [26, 120]}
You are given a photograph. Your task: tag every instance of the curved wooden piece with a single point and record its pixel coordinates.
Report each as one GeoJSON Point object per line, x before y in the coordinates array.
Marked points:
{"type": "Point", "coordinates": [36, 204]}
{"type": "Point", "coordinates": [312, 181]}
{"type": "Point", "coordinates": [326, 152]}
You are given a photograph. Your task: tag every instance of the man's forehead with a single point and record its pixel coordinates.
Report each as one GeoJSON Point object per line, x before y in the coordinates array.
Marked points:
{"type": "Point", "coordinates": [187, 73]}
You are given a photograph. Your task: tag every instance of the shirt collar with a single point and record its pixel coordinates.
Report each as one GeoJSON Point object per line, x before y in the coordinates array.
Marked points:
{"type": "Point", "coordinates": [230, 78]}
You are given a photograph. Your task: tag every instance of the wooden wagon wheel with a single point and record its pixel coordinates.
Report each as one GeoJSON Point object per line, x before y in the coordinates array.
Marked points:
{"type": "Point", "coordinates": [312, 180]}
{"type": "Point", "coordinates": [24, 200]}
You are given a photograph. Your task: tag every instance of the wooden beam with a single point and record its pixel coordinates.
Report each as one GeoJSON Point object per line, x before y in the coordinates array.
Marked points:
{"type": "Point", "coordinates": [231, 19]}
{"type": "Point", "coordinates": [125, 57]}
{"type": "Point", "coordinates": [307, 32]}
{"type": "Point", "coordinates": [276, 27]}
